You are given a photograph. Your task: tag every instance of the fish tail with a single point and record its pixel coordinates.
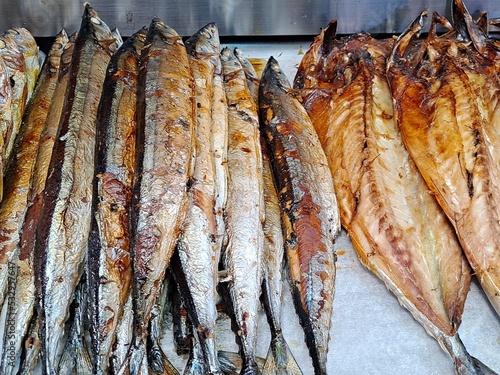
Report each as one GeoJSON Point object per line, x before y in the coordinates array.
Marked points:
{"type": "Point", "coordinates": [159, 363]}
{"type": "Point", "coordinates": [465, 364]}
{"type": "Point", "coordinates": [230, 362]}
{"type": "Point", "coordinates": [75, 358]}
{"type": "Point", "coordinates": [280, 360]}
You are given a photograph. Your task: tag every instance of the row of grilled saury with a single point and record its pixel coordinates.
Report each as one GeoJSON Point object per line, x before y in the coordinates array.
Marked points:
{"type": "Point", "coordinates": [128, 152]}
{"type": "Point", "coordinates": [179, 188]}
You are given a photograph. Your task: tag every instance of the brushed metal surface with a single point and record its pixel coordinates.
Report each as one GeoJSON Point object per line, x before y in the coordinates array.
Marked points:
{"type": "Point", "coordinates": [234, 17]}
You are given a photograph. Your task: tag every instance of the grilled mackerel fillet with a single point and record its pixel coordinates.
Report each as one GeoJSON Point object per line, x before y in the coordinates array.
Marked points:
{"type": "Point", "coordinates": [397, 228]}
{"type": "Point", "coordinates": [447, 107]}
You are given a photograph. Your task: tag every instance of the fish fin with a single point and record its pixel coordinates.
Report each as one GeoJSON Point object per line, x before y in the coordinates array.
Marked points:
{"type": "Point", "coordinates": [280, 360]}
{"type": "Point", "coordinates": [472, 367]}
{"type": "Point", "coordinates": [194, 367]}
{"type": "Point", "coordinates": [137, 361]}
{"type": "Point", "coordinates": [76, 358]}
{"type": "Point", "coordinates": [159, 363]}
{"type": "Point", "coordinates": [231, 362]}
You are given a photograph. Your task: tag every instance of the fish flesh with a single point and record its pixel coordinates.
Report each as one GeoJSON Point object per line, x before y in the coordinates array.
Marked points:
{"type": "Point", "coordinates": [279, 359]}
{"type": "Point", "coordinates": [28, 47]}
{"type": "Point", "coordinates": [385, 204]}
{"type": "Point", "coordinates": [14, 207]}
{"type": "Point", "coordinates": [64, 223]}
{"type": "Point", "coordinates": [310, 215]}
{"type": "Point", "coordinates": [244, 212]}
{"type": "Point", "coordinates": [198, 251]}
{"type": "Point", "coordinates": [165, 119]}
{"type": "Point", "coordinates": [452, 133]}
{"type": "Point", "coordinates": [109, 266]}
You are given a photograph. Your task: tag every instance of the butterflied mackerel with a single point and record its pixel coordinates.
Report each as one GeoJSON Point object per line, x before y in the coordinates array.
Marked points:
{"type": "Point", "coordinates": [453, 132]}
{"type": "Point", "coordinates": [165, 120]}
{"type": "Point", "coordinates": [309, 207]}
{"type": "Point", "coordinates": [197, 248]}
{"type": "Point", "coordinates": [109, 266]}
{"type": "Point", "coordinates": [397, 228]}
{"type": "Point", "coordinates": [14, 207]}
{"type": "Point", "coordinates": [64, 223]}
{"type": "Point", "coordinates": [244, 212]}
{"type": "Point", "coordinates": [28, 47]}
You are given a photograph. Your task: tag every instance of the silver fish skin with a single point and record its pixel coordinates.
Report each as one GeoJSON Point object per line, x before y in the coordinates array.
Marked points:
{"type": "Point", "coordinates": [64, 223]}
{"type": "Point", "coordinates": [28, 47]}
{"type": "Point", "coordinates": [158, 362]}
{"type": "Point", "coordinates": [123, 337]}
{"type": "Point", "coordinates": [250, 74]}
{"type": "Point", "coordinates": [244, 212]}
{"type": "Point", "coordinates": [310, 213]}
{"type": "Point", "coordinates": [16, 69]}
{"type": "Point", "coordinates": [198, 250]}
{"type": "Point", "coordinates": [13, 208]}
{"type": "Point", "coordinates": [109, 266]}
{"type": "Point", "coordinates": [218, 148]}
{"type": "Point", "coordinates": [75, 358]}
{"type": "Point", "coordinates": [32, 348]}
{"type": "Point", "coordinates": [279, 358]}
{"type": "Point", "coordinates": [165, 119]}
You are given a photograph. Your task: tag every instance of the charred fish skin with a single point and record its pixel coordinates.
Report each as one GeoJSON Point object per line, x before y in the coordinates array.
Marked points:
{"type": "Point", "coordinates": [28, 47]}
{"type": "Point", "coordinates": [66, 211]}
{"type": "Point", "coordinates": [14, 207]}
{"type": "Point", "coordinates": [109, 268]}
{"type": "Point", "coordinates": [198, 250]}
{"type": "Point", "coordinates": [309, 206]}
{"type": "Point", "coordinates": [165, 119]}
{"type": "Point", "coordinates": [457, 153]}
{"type": "Point", "coordinates": [16, 68]}
{"type": "Point", "coordinates": [244, 212]}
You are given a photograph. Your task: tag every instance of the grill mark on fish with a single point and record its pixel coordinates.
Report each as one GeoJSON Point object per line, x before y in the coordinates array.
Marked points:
{"type": "Point", "coordinates": [109, 267]}
{"type": "Point", "coordinates": [244, 213]}
{"type": "Point", "coordinates": [65, 217]}
{"type": "Point", "coordinates": [165, 120]}
{"type": "Point", "coordinates": [308, 204]}
{"type": "Point", "coordinates": [13, 208]}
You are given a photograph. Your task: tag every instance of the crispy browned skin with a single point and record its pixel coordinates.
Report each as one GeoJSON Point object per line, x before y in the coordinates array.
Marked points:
{"type": "Point", "coordinates": [64, 222]}
{"type": "Point", "coordinates": [165, 121]}
{"type": "Point", "coordinates": [308, 203]}
{"type": "Point", "coordinates": [385, 203]}
{"type": "Point", "coordinates": [109, 267]}
{"type": "Point", "coordinates": [14, 207]}
{"type": "Point", "coordinates": [446, 105]}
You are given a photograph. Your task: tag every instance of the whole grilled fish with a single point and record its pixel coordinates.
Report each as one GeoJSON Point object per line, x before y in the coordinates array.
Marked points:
{"type": "Point", "coordinates": [397, 228]}
{"type": "Point", "coordinates": [14, 207]}
{"type": "Point", "coordinates": [279, 359]}
{"type": "Point", "coordinates": [446, 105]}
{"type": "Point", "coordinates": [165, 120]}
{"type": "Point", "coordinates": [309, 207]}
{"type": "Point", "coordinates": [28, 47]}
{"type": "Point", "coordinates": [64, 223]}
{"type": "Point", "coordinates": [198, 250]}
{"type": "Point", "coordinates": [244, 212]}
{"type": "Point", "coordinates": [16, 69]}
{"type": "Point", "coordinates": [218, 149]}
{"type": "Point", "coordinates": [109, 268]}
